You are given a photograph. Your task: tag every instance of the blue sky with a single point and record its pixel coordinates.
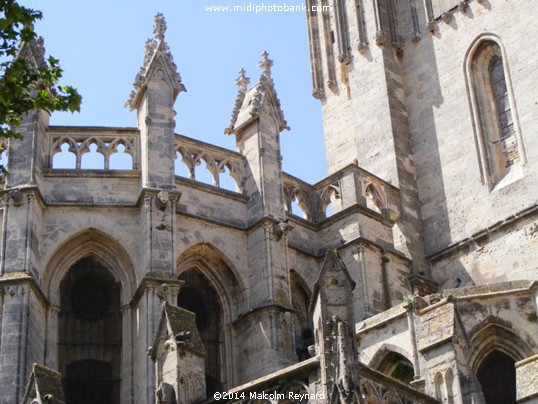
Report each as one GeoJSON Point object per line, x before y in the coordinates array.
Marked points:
{"type": "Point", "coordinates": [100, 46]}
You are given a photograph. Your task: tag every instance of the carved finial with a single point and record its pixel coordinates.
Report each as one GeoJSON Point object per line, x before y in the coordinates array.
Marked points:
{"type": "Point", "coordinates": [266, 64]}
{"type": "Point", "coordinates": [159, 28]}
{"type": "Point", "coordinates": [242, 81]}
{"type": "Point", "coordinates": [156, 49]}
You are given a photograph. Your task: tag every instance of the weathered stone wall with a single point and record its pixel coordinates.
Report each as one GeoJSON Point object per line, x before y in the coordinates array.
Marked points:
{"type": "Point", "coordinates": [416, 114]}
{"type": "Point", "coordinates": [508, 253]}
{"type": "Point", "coordinates": [455, 204]}
{"type": "Point", "coordinates": [394, 100]}
{"type": "Point", "coordinates": [527, 380]}
{"type": "Point", "coordinates": [454, 335]}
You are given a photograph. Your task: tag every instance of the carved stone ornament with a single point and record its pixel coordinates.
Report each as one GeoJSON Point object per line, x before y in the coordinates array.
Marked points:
{"type": "Point", "coordinates": [318, 93]}
{"type": "Point", "coordinates": [241, 82]}
{"type": "Point", "coordinates": [380, 38]}
{"type": "Point", "coordinates": [16, 196]}
{"type": "Point", "coordinates": [265, 86]}
{"type": "Point", "coordinates": [162, 200]}
{"type": "Point", "coordinates": [183, 336]}
{"type": "Point", "coordinates": [261, 91]}
{"type": "Point", "coordinates": [446, 17]}
{"type": "Point", "coordinates": [155, 49]}
{"type": "Point", "coordinates": [281, 229]}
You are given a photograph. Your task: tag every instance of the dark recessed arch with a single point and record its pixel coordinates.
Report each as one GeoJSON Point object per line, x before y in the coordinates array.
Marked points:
{"type": "Point", "coordinates": [490, 336]}
{"type": "Point", "coordinates": [97, 244]}
{"type": "Point", "coordinates": [394, 362]}
{"type": "Point", "coordinates": [214, 292]}
{"type": "Point", "coordinates": [497, 377]}
{"type": "Point", "coordinates": [90, 333]}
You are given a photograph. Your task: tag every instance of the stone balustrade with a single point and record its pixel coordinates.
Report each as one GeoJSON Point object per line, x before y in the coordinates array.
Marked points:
{"type": "Point", "coordinates": [79, 142]}
{"type": "Point", "coordinates": [343, 189]}
{"type": "Point", "coordinates": [192, 152]}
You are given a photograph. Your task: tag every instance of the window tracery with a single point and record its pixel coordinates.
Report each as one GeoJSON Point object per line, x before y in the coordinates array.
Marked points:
{"type": "Point", "coordinates": [494, 116]}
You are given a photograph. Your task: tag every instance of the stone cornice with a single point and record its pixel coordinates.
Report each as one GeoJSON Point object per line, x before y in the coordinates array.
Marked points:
{"type": "Point", "coordinates": [154, 281]}
{"type": "Point", "coordinates": [262, 308]}
{"type": "Point", "coordinates": [24, 278]}
{"type": "Point", "coordinates": [487, 232]}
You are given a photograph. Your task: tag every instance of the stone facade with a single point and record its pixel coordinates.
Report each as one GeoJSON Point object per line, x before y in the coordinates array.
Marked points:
{"type": "Point", "coordinates": [420, 286]}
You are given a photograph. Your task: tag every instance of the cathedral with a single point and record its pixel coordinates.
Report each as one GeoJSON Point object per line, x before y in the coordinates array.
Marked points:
{"type": "Point", "coordinates": [409, 274]}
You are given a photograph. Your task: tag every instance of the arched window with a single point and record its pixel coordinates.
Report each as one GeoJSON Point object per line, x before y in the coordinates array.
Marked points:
{"type": "Point", "coordinates": [497, 377]}
{"type": "Point", "coordinates": [300, 298]}
{"type": "Point", "coordinates": [397, 367]}
{"type": "Point", "coordinates": [90, 334]}
{"type": "Point", "coordinates": [438, 382]}
{"type": "Point", "coordinates": [452, 387]}
{"type": "Point", "coordinates": [494, 116]}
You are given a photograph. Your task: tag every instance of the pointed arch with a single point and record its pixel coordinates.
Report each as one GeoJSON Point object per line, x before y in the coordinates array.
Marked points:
{"type": "Point", "coordinates": [387, 349]}
{"type": "Point", "coordinates": [452, 387]}
{"type": "Point", "coordinates": [495, 348]}
{"type": "Point", "coordinates": [328, 195]}
{"type": "Point", "coordinates": [300, 298]}
{"type": "Point", "coordinates": [494, 115]}
{"type": "Point", "coordinates": [394, 361]}
{"type": "Point", "coordinates": [220, 273]}
{"type": "Point", "coordinates": [212, 282]}
{"type": "Point", "coordinates": [438, 385]}
{"type": "Point", "coordinates": [94, 243]}
{"type": "Point", "coordinates": [377, 195]}
{"type": "Point", "coordinates": [491, 336]}
{"type": "Point", "coordinates": [109, 257]}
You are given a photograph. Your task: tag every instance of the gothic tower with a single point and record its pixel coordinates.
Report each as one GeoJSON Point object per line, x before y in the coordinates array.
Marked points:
{"type": "Point", "coordinates": [434, 97]}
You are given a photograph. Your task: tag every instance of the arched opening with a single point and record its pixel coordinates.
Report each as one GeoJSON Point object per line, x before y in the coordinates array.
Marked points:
{"type": "Point", "coordinates": [201, 298]}
{"type": "Point", "coordinates": [90, 334]}
{"type": "Point", "coordinates": [438, 383]}
{"type": "Point", "coordinates": [397, 366]}
{"type": "Point", "coordinates": [329, 196]}
{"type": "Point", "coordinates": [226, 180]}
{"type": "Point", "coordinates": [65, 157]}
{"type": "Point", "coordinates": [494, 115]}
{"type": "Point", "coordinates": [93, 157]}
{"type": "Point", "coordinates": [497, 377]}
{"type": "Point", "coordinates": [121, 159]}
{"type": "Point", "coordinates": [300, 298]}
{"type": "Point", "coordinates": [452, 387]}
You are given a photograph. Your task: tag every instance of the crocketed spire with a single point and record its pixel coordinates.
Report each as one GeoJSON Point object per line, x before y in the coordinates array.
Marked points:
{"type": "Point", "coordinates": [157, 58]}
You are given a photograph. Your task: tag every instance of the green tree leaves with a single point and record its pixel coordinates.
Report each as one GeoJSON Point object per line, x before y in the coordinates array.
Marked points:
{"type": "Point", "coordinates": [27, 81]}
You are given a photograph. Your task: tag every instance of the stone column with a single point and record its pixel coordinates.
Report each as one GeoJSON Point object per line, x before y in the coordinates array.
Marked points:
{"type": "Point", "coordinates": [13, 332]}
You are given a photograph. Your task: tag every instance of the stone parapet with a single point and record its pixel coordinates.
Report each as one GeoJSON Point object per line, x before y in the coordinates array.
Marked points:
{"type": "Point", "coordinates": [527, 380]}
